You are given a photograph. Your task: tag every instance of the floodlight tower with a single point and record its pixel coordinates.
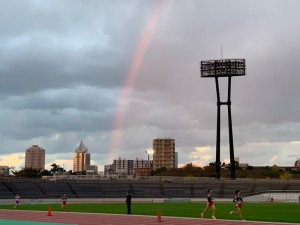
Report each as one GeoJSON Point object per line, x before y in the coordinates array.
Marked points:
{"type": "Point", "coordinates": [217, 69]}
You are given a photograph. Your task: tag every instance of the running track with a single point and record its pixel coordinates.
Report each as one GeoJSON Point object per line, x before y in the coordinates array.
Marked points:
{"type": "Point", "coordinates": [109, 219]}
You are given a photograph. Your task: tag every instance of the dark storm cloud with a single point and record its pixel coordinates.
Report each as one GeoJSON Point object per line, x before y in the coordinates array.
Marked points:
{"type": "Point", "coordinates": [81, 98]}
{"type": "Point", "coordinates": [27, 124]}
{"type": "Point", "coordinates": [66, 44]}
{"type": "Point", "coordinates": [36, 67]}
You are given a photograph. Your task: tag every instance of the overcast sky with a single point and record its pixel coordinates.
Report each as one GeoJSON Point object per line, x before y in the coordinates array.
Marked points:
{"type": "Point", "coordinates": [117, 74]}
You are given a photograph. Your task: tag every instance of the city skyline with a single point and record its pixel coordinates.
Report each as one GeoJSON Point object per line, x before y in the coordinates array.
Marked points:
{"type": "Point", "coordinates": [118, 75]}
{"type": "Point", "coordinates": [82, 148]}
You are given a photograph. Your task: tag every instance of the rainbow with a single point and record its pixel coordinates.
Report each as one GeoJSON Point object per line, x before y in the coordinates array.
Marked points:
{"type": "Point", "coordinates": [131, 75]}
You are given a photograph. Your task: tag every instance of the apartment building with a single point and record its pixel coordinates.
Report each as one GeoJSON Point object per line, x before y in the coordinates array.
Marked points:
{"type": "Point", "coordinates": [164, 153]}
{"type": "Point", "coordinates": [127, 167]}
{"type": "Point", "coordinates": [35, 157]}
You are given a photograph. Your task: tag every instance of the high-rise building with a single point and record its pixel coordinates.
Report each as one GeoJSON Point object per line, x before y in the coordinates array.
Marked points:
{"type": "Point", "coordinates": [35, 157]}
{"type": "Point", "coordinates": [81, 158]}
{"type": "Point", "coordinates": [164, 153]}
{"type": "Point", "coordinates": [176, 159]}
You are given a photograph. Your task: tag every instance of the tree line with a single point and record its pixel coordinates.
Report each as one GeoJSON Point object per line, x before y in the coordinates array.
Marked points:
{"type": "Point", "coordinates": [189, 170]}
{"type": "Point", "coordinates": [251, 172]}
{"type": "Point", "coordinates": [38, 173]}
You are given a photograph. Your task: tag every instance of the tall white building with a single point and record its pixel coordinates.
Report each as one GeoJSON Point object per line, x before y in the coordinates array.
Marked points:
{"type": "Point", "coordinates": [35, 157]}
{"type": "Point", "coordinates": [164, 153]}
{"type": "Point", "coordinates": [81, 158]}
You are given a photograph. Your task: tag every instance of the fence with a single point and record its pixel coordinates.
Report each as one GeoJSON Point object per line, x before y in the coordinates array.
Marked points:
{"type": "Point", "coordinates": [281, 197]}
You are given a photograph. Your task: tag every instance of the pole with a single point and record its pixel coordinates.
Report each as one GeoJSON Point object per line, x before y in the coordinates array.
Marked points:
{"type": "Point", "coordinates": [231, 148]}
{"type": "Point", "coordinates": [148, 167]}
{"type": "Point", "coordinates": [218, 140]}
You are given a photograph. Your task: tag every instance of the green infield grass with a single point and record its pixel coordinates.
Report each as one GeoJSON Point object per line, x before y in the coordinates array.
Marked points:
{"type": "Point", "coordinates": [271, 212]}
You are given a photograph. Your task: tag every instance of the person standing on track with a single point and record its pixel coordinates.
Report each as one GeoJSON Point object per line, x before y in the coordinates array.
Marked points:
{"type": "Point", "coordinates": [64, 202]}
{"type": "Point", "coordinates": [238, 200]}
{"type": "Point", "coordinates": [210, 204]}
{"type": "Point", "coordinates": [17, 200]}
{"type": "Point", "coordinates": [128, 202]}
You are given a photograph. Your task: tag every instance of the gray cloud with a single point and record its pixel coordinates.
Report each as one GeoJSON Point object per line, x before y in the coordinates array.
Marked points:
{"type": "Point", "coordinates": [63, 67]}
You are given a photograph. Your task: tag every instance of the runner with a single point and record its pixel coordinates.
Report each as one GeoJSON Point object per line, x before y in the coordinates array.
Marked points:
{"type": "Point", "coordinates": [238, 200]}
{"type": "Point", "coordinates": [64, 202]}
{"type": "Point", "coordinates": [210, 204]}
{"type": "Point", "coordinates": [17, 200]}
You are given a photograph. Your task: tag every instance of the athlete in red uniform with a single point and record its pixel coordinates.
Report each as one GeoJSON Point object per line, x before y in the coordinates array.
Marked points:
{"type": "Point", "coordinates": [238, 200]}
{"type": "Point", "coordinates": [210, 204]}
{"type": "Point", "coordinates": [64, 201]}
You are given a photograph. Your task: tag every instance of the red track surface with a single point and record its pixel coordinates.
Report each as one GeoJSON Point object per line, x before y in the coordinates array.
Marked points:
{"type": "Point", "coordinates": [109, 219]}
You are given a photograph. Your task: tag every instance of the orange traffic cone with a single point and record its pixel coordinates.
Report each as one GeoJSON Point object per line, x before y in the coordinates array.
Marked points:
{"type": "Point", "coordinates": [49, 211]}
{"type": "Point", "coordinates": [159, 216]}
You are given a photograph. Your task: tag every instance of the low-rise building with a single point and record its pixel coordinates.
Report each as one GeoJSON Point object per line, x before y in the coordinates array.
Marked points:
{"type": "Point", "coordinates": [141, 171]}
{"type": "Point", "coordinates": [128, 167]}
{"type": "Point", "coordinates": [91, 170]}
{"type": "Point", "coordinates": [109, 169]}
{"type": "Point", "coordinates": [4, 171]}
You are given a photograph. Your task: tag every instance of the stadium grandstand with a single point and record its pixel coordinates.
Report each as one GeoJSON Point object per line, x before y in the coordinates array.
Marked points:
{"type": "Point", "coordinates": [169, 187]}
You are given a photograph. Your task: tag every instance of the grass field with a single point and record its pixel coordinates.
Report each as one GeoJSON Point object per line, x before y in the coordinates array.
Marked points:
{"type": "Point", "coordinates": [272, 212]}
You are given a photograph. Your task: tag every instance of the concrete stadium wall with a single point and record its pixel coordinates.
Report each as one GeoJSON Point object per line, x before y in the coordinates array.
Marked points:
{"type": "Point", "coordinates": [100, 189]}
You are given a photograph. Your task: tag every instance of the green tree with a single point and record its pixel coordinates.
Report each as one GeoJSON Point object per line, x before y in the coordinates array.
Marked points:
{"type": "Point", "coordinates": [28, 172]}
{"type": "Point", "coordinates": [286, 176]}
{"type": "Point", "coordinates": [46, 173]}
{"type": "Point", "coordinates": [56, 169]}
{"type": "Point", "coordinates": [210, 170]}
{"type": "Point", "coordinates": [158, 171]}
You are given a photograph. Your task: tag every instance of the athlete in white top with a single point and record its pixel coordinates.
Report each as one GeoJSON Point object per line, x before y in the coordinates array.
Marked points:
{"type": "Point", "coordinates": [17, 200]}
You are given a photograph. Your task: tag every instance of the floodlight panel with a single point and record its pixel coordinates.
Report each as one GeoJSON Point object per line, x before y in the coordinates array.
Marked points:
{"type": "Point", "coordinates": [223, 68]}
